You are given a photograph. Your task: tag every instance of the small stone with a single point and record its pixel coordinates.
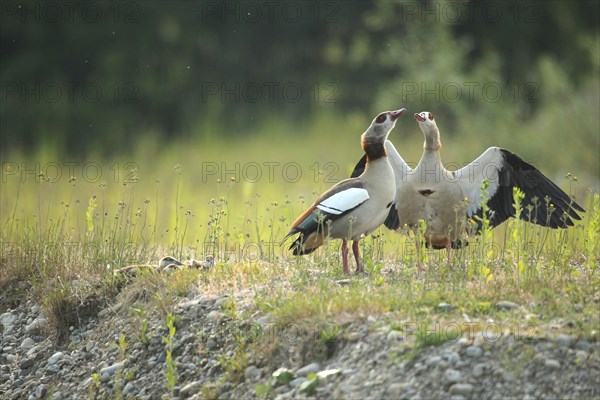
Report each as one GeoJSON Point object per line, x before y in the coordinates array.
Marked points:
{"type": "Point", "coordinates": [461, 388]}
{"type": "Point", "coordinates": [396, 336]}
{"type": "Point", "coordinates": [581, 355]}
{"type": "Point", "coordinates": [40, 391]}
{"type": "Point", "coordinates": [214, 315]}
{"type": "Point", "coordinates": [8, 320]}
{"type": "Point", "coordinates": [262, 321]}
{"type": "Point", "coordinates": [452, 376]}
{"type": "Point", "coordinates": [478, 370]}
{"type": "Point", "coordinates": [38, 324]}
{"type": "Point", "coordinates": [89, 346]}
{"type": "Point", "coordinates": [506, 305]}
{"type": "Point", "coordinates": [583, 344]}
{"type": "Point", "coordinates": [53, 368]}
{"type": "Point", "coordinates": [552, 364]}
{"type": "Point", "coordinates": [564, 340]}
{"type": "Point", "coordinates": [211, 344]}
{"type": "Point", "coordinates": [26, 363]}
{"type": "Point", "coordinates": [56, 357]}
{"type": "Point", "coordinates": [354, 336]}
{"type": "Point", "coordinates": [452, 357]}
{"type": "Point", "coordinates": [129, 388]}
{"type": "Point", "coordinates": [312, 368]}
{"type": "Point", "coordinates": [27, 343]}
{"type": "Point", "coordinates": [445, 307]}
{"type": "Point", "coordinates": [251, 372]}
{"type": "Point", "coordinates": [110, 370]}
{"type": "Point", "coordinates": [343, 282]}
{"type": "Point", "coordinates": [190, 389]}
{"type": "Point", "coordinates": [32, 351]}
{"type": "Point", "coordinates": [433, 361]}
{"type": "Point", "coordinates": [474, 351]}
{"type": "Point", "coordinates": [297, 382]}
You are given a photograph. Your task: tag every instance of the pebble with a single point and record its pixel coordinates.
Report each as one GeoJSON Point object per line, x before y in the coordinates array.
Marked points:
{"type": "Point", "coordinates": [461, 388]}
{"type": "Point", "coordinates": [552, 364]}
{"type": "Point", "coordinates": [8, 320]}
{"type": "Point", "coordinates": [312, 368]}
{"type": "Point", "coordinates": [474, 351]}
{"type": "Point", "coordinates": [564, 340]}
{"type": "Point", "coordinates": [26, 363]}
{"type": "Point", "coordinates": [478, 370]}
{"type": "Point", "coordinates": [40, 391]}
{"type": "Point", "coordinates": [54, 368]}
{"type": "Point", "coordinates": [452, 376]}
{"type": "Point", "coordinates": [214, 315]}
{"type": "Point", "coordinates": [190, 389]}
{"type": "Point", "coordinates": [581, 355]}
{"type": "Point", "coordinates": [251, 372]}
{"type": "Point", "coordinates": [110, 370]}
{"type": "Point", "coordinates": [396, 336]}
{"type": "Point", "coordinates": [27, 343]}
{"type": "Point", "coordinates": [129, 388]}
{"type": "Point", "coordinates": [445, 307]}
{"type": "Point", "coordinates": [433, 361]}
{"type": "Point", "coordinates": [297, 382]}
{"type": "Point", "coordinates": [38, 324]}
{"type": "Point", "coordinates": [56, 357]}
{"type": "Point", "coordinates": [506, 305]}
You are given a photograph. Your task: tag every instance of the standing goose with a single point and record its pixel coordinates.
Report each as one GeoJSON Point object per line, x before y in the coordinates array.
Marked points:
{"type": "Point", "coordinates": [441, 198]}
{"type": "Point", "coordinates": [353, 207]}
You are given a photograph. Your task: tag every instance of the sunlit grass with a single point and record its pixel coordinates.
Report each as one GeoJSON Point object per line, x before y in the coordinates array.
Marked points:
{"type": "Point", "coordinates": [64, 241]}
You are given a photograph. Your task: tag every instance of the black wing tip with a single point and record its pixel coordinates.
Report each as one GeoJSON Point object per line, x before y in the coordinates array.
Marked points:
{"type": "Point", "coordinates": [360, 167]}
{"type": "Point", "coordinates": [392, 221]}
{"type": "Point", "coordinates": [298, 249]}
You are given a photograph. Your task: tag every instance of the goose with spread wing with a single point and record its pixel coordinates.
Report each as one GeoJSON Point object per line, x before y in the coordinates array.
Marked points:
{"type": "Point", "coordinates": [353, 207]}
{"type": "Point", "coordinates": [451, 201]}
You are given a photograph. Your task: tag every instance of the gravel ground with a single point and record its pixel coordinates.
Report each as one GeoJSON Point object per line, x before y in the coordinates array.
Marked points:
{"type": "Point", "coordinates": [368, 357]}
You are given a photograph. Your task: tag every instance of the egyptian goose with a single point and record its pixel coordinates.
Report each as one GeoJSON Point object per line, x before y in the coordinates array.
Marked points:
{"type": "Point", "coordinates": [441, 197]}
{"type": "Point", "coordinates": [353, 207]}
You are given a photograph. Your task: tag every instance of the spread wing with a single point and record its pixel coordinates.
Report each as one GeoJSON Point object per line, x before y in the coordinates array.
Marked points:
{"type": "Point", "coordinates": [544, 203]}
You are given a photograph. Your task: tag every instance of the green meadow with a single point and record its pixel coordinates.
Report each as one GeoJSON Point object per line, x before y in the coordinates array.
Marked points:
{"type": "Point", "coordinates": [68, 221]}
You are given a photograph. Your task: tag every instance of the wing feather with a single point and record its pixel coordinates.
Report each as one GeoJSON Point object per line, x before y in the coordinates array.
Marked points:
{"type": "Point", "coordinates": [333, 204]}
{"type": "Point", "coordinates": [544, 203]}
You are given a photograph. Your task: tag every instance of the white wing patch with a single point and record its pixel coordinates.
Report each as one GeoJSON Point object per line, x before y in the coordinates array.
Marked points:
{"type": "Point", "coordinates": [344, 201]}
{"type": "Point", "coordinates": [470, 178]}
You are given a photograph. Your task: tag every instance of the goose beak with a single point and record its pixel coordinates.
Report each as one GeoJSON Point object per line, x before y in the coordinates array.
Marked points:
{"type": "Point", "coordinates": [419, 118]}
{"type": "Point", "coordinates": [395, 114]}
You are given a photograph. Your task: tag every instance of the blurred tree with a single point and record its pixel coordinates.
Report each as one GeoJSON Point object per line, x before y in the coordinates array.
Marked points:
{"type": "Point", "coordinates": [87, 81]}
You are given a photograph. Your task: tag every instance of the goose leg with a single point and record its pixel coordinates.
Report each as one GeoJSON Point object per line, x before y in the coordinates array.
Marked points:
{"type": "Point", "coordinates": [418, 255]}
{"type": "Point", "coordinates": [345, 255]}
{"type": "Point", "coordinates": [359, 266]}
{"type": "Point", "coordinates": [448, 251]}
